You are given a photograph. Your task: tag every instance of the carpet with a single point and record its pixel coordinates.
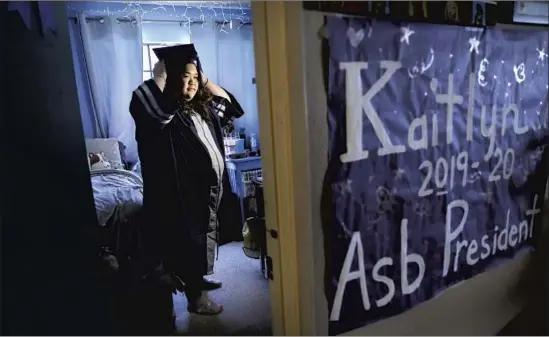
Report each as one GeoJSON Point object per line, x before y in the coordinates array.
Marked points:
{"type": "Point", "coordinates": [245, 298]}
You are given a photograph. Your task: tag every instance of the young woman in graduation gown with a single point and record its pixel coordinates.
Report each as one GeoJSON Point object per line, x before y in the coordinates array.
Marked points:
{"type": "Point", "coordinates": [178, 116]}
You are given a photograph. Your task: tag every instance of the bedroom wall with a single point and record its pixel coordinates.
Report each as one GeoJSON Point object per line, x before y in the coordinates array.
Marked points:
{"type": "Point", "coordinates": [482, 305]}
{"type": "Point", "coordinates": [533, 319]}
{"type": "Point", "coordinates": [48, 220]}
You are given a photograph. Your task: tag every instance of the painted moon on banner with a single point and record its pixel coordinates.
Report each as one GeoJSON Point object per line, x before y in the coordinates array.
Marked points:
{"type": "Point", "coordinates": [421, 67]}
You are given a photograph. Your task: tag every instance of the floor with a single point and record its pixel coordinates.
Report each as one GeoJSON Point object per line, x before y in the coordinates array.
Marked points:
{"type": "Point", "coordinates": [244, 296]}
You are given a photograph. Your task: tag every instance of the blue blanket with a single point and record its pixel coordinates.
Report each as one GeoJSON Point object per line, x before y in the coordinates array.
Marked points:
{"type": "Point", "coordinates": [117, 194]}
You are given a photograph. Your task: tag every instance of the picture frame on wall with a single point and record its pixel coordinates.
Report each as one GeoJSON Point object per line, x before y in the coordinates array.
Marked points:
{"type": "Point", "coordinates": [414, 11]}
{"type": "Point", "coordinates": [529, 13]}
{"type": "Point", "coordinates": [379, 9]}
{"type": "Point", "coordinates": [478, 11]}
{"type": "Point", "coordinates": [452, 11]}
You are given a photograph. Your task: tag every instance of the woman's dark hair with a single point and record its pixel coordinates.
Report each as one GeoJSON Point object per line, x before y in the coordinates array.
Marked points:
{"type": "Point", "coordinates": [201, 102]}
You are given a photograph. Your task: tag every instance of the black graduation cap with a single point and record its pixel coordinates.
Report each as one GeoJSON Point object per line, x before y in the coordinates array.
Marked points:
{"type": "Point", "coordinates": [182, 52]}
{"type": "Point", "coordinates": [175, 57]}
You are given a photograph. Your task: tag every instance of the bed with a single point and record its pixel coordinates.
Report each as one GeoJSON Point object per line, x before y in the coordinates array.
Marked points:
{"type": "Point", "coordinates": [118, 197]}
{"type": "Point", "coordinates": [118, 194]}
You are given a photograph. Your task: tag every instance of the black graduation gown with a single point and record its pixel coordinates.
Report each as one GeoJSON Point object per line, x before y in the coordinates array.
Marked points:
{"type": "Point", "coordinates": [177, 174]}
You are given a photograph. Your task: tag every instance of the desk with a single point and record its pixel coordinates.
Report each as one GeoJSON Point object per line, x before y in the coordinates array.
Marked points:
{"type": "Point", "coordinates": [240, 183]}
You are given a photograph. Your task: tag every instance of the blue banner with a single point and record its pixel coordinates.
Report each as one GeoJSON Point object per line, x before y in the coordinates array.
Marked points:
{"type": "Point", "coordinates": [434, 132]}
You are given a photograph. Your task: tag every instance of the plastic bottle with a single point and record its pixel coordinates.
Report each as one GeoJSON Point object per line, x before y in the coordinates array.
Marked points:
{"type": "Point", "coordinates": [253, 142]}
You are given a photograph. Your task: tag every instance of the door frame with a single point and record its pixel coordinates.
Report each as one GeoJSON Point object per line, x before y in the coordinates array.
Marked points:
{"type": "Point", "coordinates": [279, 57]}
{"type": "Point", "coordinates": [292, 186]}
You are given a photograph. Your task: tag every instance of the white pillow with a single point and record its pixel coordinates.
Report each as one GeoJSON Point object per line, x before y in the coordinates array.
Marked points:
{"type": "Point", "coordinates": [109, 146]}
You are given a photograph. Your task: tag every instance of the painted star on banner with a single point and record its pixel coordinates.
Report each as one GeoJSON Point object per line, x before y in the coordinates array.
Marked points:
{"type": "Point", "coordinates": [541, 54]}
{"type": "Point", "coordinates": [537, 154]}
{"type": "Point", "coordinates": [343, 190]}
{"type": "Point", "coordinates": [386, 199]}
{"type": "Point", "coordinates": [344, 186]}
{"type": "Point", "coordinates": [488, 197]}
{"type": "Point", "coordinates": [406, 33]}
{"type": "Point", "coordinates": [422, 208]}
{"type": "Point", "coordinates": [399, 173]}
{"type": "Point", "coordinates": [474, 177]}
{"type": "Point", "coordinates": [474, 43]}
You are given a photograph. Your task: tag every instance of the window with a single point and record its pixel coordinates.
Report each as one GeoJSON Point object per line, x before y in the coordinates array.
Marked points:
{"type": "Point", "coordinates": [160, 34]}
{"type": "Point", "coordinates": [532, 12]}
{"type": "Point", "coordinates": [149, 59]}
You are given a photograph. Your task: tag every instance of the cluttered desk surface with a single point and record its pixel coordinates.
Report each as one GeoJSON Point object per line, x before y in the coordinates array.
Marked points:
{"type": "Point", "coordinates": [243, 160]}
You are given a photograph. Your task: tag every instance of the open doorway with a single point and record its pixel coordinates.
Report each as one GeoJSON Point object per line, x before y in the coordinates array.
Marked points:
{"type": "Point", "coordinates": [113, 50]}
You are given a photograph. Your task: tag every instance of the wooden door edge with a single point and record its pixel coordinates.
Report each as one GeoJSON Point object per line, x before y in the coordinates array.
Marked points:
{"type": "Point", "coordinates": [263, 78]}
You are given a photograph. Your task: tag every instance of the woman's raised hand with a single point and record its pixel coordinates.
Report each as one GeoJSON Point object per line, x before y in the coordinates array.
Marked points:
{"type": "Point", "coordinates": [159, 70]}
{"type": "Point", "coordinates": [160, 75]}
{"type": "Point", "coordinates": [204, 78]}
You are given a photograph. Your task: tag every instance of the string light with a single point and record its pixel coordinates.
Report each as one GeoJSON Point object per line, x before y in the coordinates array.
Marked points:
{"type": "Point", "coordinates": [228, 14]}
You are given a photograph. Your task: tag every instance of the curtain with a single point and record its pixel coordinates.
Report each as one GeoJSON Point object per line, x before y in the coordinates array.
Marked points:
{"type": "Point", "coordinates": [205, 42]}
{"type": "Point", "coordinates": [90, 124]}
{"type": "Point", "coordinates": [251, 121]}
{"type": "Point", "coordinates": [112, 52]}
{"type": "Point", "coordinates": [236, 71]}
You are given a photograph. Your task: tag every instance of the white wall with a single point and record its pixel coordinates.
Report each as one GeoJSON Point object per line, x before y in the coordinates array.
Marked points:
{"type": "Point", "coordinates": [480, 306]}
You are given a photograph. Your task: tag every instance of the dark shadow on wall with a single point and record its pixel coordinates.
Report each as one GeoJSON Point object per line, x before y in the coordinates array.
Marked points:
{"type": "Point", "coordinates": [531, 287]}
{"type": "Point", "coordinates": [49, 247]}
{"type": "Point", "coordinates": [327, 193]}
